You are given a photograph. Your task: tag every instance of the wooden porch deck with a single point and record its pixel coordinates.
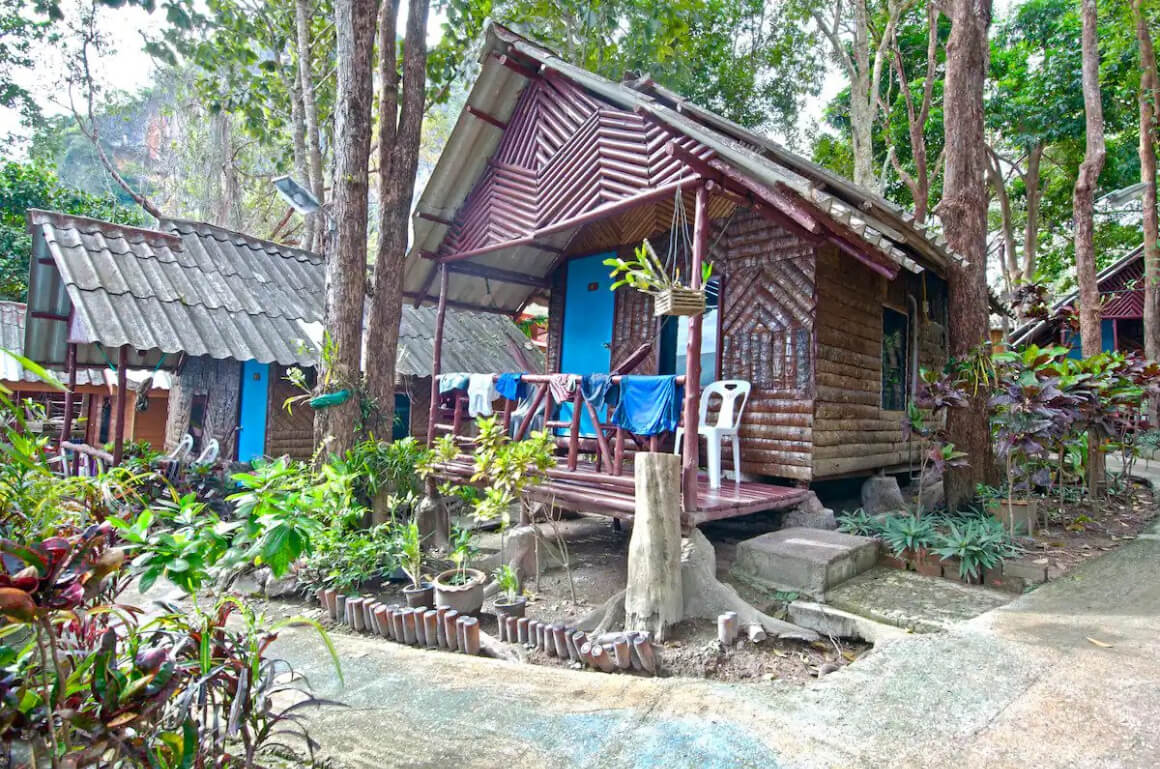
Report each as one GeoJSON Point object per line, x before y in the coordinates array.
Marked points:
{"type": "Point", "coordinates": [587, 490]}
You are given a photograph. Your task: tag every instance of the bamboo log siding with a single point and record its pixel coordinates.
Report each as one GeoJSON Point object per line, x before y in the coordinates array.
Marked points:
{"type": "Point", "coordinates": [852, 433]}
{"type": "Point", "coordinates": [766, 338]}
{"type": "Point", "coordinates": [563, 154]}
{"type": "Point", "coordinates": [287, 432]}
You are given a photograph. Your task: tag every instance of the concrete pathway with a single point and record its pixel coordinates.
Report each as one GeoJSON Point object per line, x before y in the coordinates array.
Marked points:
{"type": "Point", "coordinates": [1020, 686]}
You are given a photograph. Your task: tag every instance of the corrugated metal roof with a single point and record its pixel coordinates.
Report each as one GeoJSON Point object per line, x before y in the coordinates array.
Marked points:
{"type": "Point", "coordinates": [12, 322]}
{"type": "Point", "coordinates": [187, 287]}
{"type": "Point", "coordinates": [203, 290]}
{"type": "Point", "coordinates": [472, 342]}
{"type": "Point", "coordinates": [473, 142]}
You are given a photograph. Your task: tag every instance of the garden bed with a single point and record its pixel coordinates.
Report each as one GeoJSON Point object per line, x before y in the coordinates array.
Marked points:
{"type": "Point", "coordinates": [598, 554]}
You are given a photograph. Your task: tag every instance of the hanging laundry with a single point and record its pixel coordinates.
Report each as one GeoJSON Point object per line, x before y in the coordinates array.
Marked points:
{"type": "Point", "coordinates": [649, 405]}
{"type": "Point", "coordinates": [562, 386]}
{"type": "Point", "coordinates": [480, 394]}
{"type": "Point", "coordinates": [511, 386]}
{"type": "Point", "coordinates": [598, 390]}
{"type": "Point", "coordinates": [449, 382]}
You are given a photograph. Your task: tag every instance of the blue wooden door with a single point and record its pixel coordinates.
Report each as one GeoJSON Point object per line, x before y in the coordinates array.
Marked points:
{"type": "Point", "coordinates": [587, 334]}
{"type": "Point", "coordinates": [252, 413]}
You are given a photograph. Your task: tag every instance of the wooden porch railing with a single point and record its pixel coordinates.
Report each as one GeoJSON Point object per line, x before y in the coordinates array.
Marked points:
{"type": "Point", "coordinates": [609, 455]}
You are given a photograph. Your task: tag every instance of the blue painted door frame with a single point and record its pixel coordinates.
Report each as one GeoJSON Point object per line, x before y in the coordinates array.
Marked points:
{"type": "Point", "coordinates": [586, 342]}
{"type": "Point", "coordinates": [252, 411]}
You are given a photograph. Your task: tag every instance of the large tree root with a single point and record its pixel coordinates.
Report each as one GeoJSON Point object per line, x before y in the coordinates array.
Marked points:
{"type": "Point", "coordinates": [705, 597]}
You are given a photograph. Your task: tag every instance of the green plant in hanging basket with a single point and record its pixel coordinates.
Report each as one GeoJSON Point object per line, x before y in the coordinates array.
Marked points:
{"type": "Point", "coordinates": [647, 274]}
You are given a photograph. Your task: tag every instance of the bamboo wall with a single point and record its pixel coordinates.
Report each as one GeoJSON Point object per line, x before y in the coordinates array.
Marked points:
{"type": "Point", "coordinates": [852, 433]}
{"type": "Point", "coordinates": [767, 303]}
{"type": "Point", "coordinates": [289, 433]}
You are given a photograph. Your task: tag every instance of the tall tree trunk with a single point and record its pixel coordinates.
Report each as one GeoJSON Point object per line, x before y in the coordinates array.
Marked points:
{"type": "Point", "coordinates": [400, 126]}
{"type": "Point", "coordinates": [298, 132]}
{"type": "Point", "coordinates": [963, 211]}
{"type": "Point", "coordinates": [354, 23]}
{"type": "Point", "coordinates": [1147, 97]}
{"type": "Point", "coordinates": [1008, 261]}
{"type": "Point", "coordinates": [862, 100]}
{"type": "Point", "coordinates": [1082, 202]}
{"type": "Point", "coordinates": [303, 13]}
{"type": "Point", "coordinates": [1034, 194]}
{"type": "Point", "coordinates": [229, 213]}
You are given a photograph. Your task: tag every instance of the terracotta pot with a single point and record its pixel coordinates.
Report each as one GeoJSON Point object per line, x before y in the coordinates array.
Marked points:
{"type": "Point", "coordinates": [466, 598]}
{"type": "Point", "coordinates": [424, 595]}
{"type": "Point", "coordinates": [1025, 512]}
{"type": "Point", "coordinates": [514, 609]}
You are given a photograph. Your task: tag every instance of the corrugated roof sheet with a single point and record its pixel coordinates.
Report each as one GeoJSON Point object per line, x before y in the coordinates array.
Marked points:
{"type": "Point", "coordinates": [198, 289]}
{"type": "Point", "coordinates": [12, 322]}
{"type": "Point", "coordinates": [473, 142]}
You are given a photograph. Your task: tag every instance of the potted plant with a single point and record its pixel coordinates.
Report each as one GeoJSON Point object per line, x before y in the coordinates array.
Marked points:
{"type": "Point", "coordinates": [509, 603]}
{"type": "Point", "coordinates": [409, 554]}
{"type": "Point", "coordinates": [647, 274]}
{"type": "Point", "coordinates": [461, 588]}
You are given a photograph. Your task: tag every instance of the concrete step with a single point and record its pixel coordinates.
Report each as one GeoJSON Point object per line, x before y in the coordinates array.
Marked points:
{"type": "Point", "coordinates": [805, 561]}
{"type": "Point", "coordinates": [912, 601]}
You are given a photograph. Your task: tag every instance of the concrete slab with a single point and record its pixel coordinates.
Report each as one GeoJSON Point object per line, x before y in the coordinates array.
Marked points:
{"type": "Point", "coordinates": [804, 561]}
{"type": "Point", "coordinates": [831, 621]}
{"type": "Point", "coordinates": [914, 602]}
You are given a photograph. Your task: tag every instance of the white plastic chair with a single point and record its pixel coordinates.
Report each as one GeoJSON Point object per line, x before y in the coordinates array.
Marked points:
{"type": "Point", "coordinates": [733, 394]}
{"type": "Point", "coordinates": [209, 454]}
{"type": "Point", "coordinates": [181, 452]}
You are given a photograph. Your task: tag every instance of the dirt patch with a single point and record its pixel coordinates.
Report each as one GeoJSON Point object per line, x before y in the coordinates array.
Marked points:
{"type": "Point", "coordinates": [1081, 530]}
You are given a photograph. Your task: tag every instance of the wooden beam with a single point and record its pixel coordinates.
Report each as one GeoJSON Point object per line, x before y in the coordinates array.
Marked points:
{"type": "Point", "coordinates": [487, 118]}
{"type": "Point", "coordinates": [433, 218]}
{"type": "Point", "coordinates": [456, 305]}
{"type": "Point", "coordinates": [600, 212]}
{"type": "Point", "coordinates": [516, 66]}
{"type": "Point", "coordinates": [70, 394]}
{"type": "Point", "coordinates": [495, 273]}
{"type": "Point", "coordinates": [437, 355]}
{"type": "Point", "coordinates": [122, 399]}
{"type": "Point", "coordinates": [49, 316]}
{"type": "Point", "coordinates": [693, 356]}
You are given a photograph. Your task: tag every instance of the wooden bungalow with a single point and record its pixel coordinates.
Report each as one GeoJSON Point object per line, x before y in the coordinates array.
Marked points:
{"type": "Point", "coordinates": [1121, 288]}
{"type": "Point", "coordinates": [227, 313]}
{"type": "Point", "coordinates": [824, 296]}
{"type": "Point", "coordinates": [94, 394]}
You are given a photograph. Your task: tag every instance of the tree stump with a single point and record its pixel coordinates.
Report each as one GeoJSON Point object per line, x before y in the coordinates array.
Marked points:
{"type": "Point", "coordinates": [654, 599]}
{"type": "Point", "coordinates": [434, 522]}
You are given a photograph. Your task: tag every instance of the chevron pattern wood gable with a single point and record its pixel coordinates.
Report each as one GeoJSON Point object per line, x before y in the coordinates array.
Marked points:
{"type": "Point", "coordinates": [563, 153]}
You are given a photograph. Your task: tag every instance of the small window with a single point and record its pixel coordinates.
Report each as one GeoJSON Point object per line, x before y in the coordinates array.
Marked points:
{"type": "Point", "coordinates": [895, 352]}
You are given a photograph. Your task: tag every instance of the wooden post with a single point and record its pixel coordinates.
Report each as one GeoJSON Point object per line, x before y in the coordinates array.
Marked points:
{"type": "Point", "coordinates": [70, 394]}
{"type": "Point", "coordinates": [654, 598]}
{"type": "Point", "coordinates": [574, 429]}
{"type": "Point", "coordinates": [693, 356]}
{"type": "Point", "coordinates": [122, 387]}
{"type": "Point", "coordinates": [437, 356]}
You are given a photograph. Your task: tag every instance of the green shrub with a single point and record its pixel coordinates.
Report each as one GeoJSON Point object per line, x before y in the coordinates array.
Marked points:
{"type": "Point", "coordinates": [860, 523]}
{"type": "Point", "coordinates": [903, 533]}
{"type": "Point", "coordinates": [979, 543]}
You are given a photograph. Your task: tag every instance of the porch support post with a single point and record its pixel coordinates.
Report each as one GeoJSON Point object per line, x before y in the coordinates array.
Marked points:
{"type": "Point", "coordinates": [122, 387]}
{"type": "Point", "coordinates": [693, 355]}
{"type": "Point", "coordinates": [70, 394]}
{"type": "Point", "coordinates": [437, 356]}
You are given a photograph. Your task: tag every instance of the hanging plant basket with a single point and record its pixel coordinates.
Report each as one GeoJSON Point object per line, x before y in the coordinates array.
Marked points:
{"type": "Point", "coordinates": [679, 300]}
{"type": "Point", "coordinates": [326, 400]}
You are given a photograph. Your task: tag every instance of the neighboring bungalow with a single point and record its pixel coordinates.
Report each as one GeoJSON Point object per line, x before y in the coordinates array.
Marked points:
{"type": "Point", "coordinates": [228, 313]}
{"type": "Point", "coordinates": [825, 297]}
{"type": "Point", "coordinates": [1121, 312]}
{"type": "Point", "coordinates": [95, 393]}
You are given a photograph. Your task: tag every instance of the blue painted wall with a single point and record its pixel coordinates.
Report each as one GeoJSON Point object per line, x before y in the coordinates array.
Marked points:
{"type": "Point", "coordinates": [1107, 339]}
{"type": "Point", "coordinates": [252, 412]}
